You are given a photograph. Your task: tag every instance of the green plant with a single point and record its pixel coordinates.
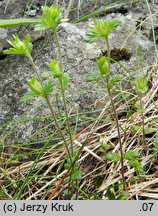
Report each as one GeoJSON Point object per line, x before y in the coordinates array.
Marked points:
{"type": "Point", "coordinates": [115, 193]}
{"type": "Point", "coordinates": [155, 143]}
{"type": "Point", "coordinates": [102, 30]}
{"type": "Point", "coordinates": [141, 87]}
{"type": "Point", "coordinates": [40, 87]}
{"type": "Point", "coordinates": [51, 18]}
{"type": "Point", "coordinates": [132, 158]}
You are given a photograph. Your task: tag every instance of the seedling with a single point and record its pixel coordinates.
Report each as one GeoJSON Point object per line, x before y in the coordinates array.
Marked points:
{"type": "Point", "coordinates": [132, 158]}
{"type": "Point", "coordinates": [141, 87]}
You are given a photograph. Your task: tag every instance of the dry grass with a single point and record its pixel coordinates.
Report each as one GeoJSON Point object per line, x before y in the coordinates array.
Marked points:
{"type": "Point", "coordinates": [91, 160]}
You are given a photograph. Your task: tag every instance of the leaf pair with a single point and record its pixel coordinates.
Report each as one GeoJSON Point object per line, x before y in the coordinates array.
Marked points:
{"type": "Point", "coordinates": [76, 174]}
{"type": "Point", "coordinates": [104, 68]}
{"type": "Point", "coordinates": [141, 85]}
{"type": "Point", "coordinates": [57, 73]}
{"type": "Point", "coordinates": [101, 30]}
{"type": "Point", "coordinates": [130, 156]}
{"type": "Point", "coordinates": [37, 90]}
{"type": "Point", "coordinates": [19, 47]}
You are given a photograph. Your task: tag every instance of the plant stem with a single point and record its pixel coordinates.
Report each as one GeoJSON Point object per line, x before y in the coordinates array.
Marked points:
{"type": "Point", "coordinates": [143, 125]}
{"type": "Point", "coordinates": [58, 127]}
{"type": "Point", "coordinates": [108, 50]}
{"type": "Point", "coordinates": [50, 107]}
{"type": "Point", "coordinates": [116, 117]}
{"type": "Point", "coordinates": [66, 115]}
{"type": "Point", "coordinates": [63, 94]}
{"type": "Point", "coordinates": [59, 48]}
{"type": "Point", "coordinates": [119, 136]}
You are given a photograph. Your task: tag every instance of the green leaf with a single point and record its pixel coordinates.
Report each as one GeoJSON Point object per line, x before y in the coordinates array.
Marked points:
{"type": "Point", "coordinates": [137, 166]}
{"type": "Point", "coordinates": [101, 30]}
{"type": "Point", "coordinates": [155, 143]}
{"type": "Point", "coordinates": [65, 80]}
{"type": "Point", "coordinates": [91, 37]}
{"type": "Point", "coordinates": [45, 74]}
{"type": "Point", "coordinates": [23, 48]}
{"type": "Point", "coordinates": [115, 79]}
{"type": "Point", "coordinates": [67, 164]}
{"type": "Point", "coordinates": [104, 147]}
{"type": "Point", "coordinates": [122, 196]}
{"type": "Point", "coordinates": [103, 66]}
{"type": "Point", "coordinates": [140, 109]}
{"type": "Point", "coordinates": [148, 131]}
{"type": "Point", "coordinates": [111, 193]}
{"type": "Point", "coordinates": [131, 155]}
{"type": "Point", "coordinates": [76, 175]}
{"type": "Point", "coordinates": [93, 76]}
{"type": "Point", "coordinates": [5, 23]}
{"type": "Point", "coordinates": [51, 18]}
{"type": "Point", "coordinates": [137, 128]}
{"type": "Point", "coordinates": [48, 86]}
{"type": "Point", "coordinates": [141, 85]}
{"type": "Point", "coordinates": [140, 170]}
{"type": "Point", "coordinates": [111, 156]}
{"type": "Point", "coordinates": [28, 96]}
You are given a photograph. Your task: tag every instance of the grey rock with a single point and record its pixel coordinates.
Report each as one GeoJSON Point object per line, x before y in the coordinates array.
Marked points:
{"type": "Point", "coordinates": [3, 37]}
{"type": "Point", "coordinates": [79, 58]}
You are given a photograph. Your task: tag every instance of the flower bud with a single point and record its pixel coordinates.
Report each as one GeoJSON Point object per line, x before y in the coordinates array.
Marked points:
{"type": "Point", "coordinates": [103, 65]}
{"type": "Point", "coordinates": [35, 86]}
{"type": "Point", "coordinates": [55, 68]}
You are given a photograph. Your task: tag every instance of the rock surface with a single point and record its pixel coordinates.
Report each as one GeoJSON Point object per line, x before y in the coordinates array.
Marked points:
{"type": "Point", "coordinates": [79, 58]}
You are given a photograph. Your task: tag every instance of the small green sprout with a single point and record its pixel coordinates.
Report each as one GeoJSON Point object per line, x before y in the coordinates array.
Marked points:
{"type": "Point", "coordinates": [138, 167]}
{"type": "Point", "coordinates": [19, 47]}
{"type": "Point", "coordinates": [76, 173]}
{"type": "Point", "coordinates": [65, 80]}
{"type": "Point", "coordinates": [141, 85]}
{"type": "Point", "coordinates": [132, 158]}
{"type": "Point", "coordinates": [51, 18]}
{"type": "Point", "coordinates": [112, 156]}
{"type": "Point", "coordinates": [155, 143]}
{"type": "Point", "coordinates": [131, 155]}
{"type": "Point", "coordinates": [115, 79]}
{"type": "Point", "coordinates": [101, 30]}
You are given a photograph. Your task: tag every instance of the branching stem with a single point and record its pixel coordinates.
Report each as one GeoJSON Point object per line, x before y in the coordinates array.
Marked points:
{"type": "Point", "coordinates": [63, 94]}
{"type": "Point", "coordinates": [50, 107]}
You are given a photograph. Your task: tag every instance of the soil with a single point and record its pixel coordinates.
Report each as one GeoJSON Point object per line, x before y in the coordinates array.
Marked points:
{"type": "Point", "coordinates": [79, 58]}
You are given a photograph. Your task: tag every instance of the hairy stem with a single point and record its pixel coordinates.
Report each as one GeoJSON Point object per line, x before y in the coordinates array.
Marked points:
{"type": "Point", "coordinates": [50, 107]}
{"type": "Point", "coordinates": [63, 94]}
{"type": "Point", "coordinates": [116, 118]}
{"type": "Point", "coordinates": [59, 48]}
{"type": "Point", "coordinates": [143, 125]}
